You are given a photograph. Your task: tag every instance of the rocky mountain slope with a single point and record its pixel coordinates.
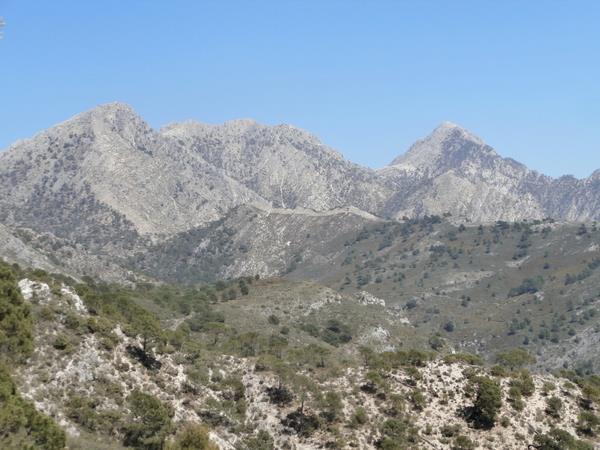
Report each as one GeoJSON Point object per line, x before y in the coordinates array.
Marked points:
{"type": "Point", "coordinates": [106, 177]}
{"type": "Point", "coordinates": [251, 240]}
{"type": "Point", "coordinates": [454, 171]}
{"type": "Point", "coordinates": [288, 167]}
{"type": "Point", "coordinates": [476, 288]}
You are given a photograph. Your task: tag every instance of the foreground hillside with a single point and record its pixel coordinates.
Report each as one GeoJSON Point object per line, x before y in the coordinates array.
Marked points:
{"type": "Point", "coordinates": [260, 364]}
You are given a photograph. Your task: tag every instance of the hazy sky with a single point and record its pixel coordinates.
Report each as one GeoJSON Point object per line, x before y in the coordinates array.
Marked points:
{"type": "Point", "coordinates": [368, 77]}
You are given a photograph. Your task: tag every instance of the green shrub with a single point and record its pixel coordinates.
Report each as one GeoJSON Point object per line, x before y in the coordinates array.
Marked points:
{"type": "Point", "coordinates": [524, 383]}
{"type": "Point", "coordinates": [192, 437]}
{"type": "Point", "coordinates": [262, 441]}
{"type": "Point", "coordinates": [417, 399]}
{"type": "Point", "coordinates": [515, 358]}
{"type": "Point", "coordinates": [336, 333]}
{"type": "Point", "coordinates": [397, 434]}
{"type": "Point", "coordinates": [554, 406]}
{"type": "Point", "coordinates": [499, 371]}
{"type": "Point", "coordinates": [436, 342]}
{"type": "Point", "coordinates": [331, 405]}
{"type": "Point", "coordinates": [150, 422]}
{"type": "Point", "coordinates": [548, 387]}
{"type": "Point", "coordinates": [588, 423]}
{"type": "Point", "coordinates": [515, 398]}
{"type": "Point", "coordinates": [359, 417]}
{"type": "Point", "coordinates": [16, 324]}
{"type": "Point", "coordinates": [558, 439]}
{"type": "Point", "coordinates": [466, 358]}
{"type": "Point", "coordinates": [61, 342]}
{"type": "Point", "coordinates": [21, 425]}
{"type": "Point", "coordinates": [449, 326]}
{"type": "Point", "coordinates": [450, 430]}
{"type": "Point", "coordinates": [487, 402]}
{"type": "Point", "coordinates": [528, 286]}
{"type": "Point", "coordinates": [462, 443]}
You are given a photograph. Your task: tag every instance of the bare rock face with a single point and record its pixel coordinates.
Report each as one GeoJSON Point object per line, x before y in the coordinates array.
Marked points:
{"type": "Point", "coordinates": [453, 171]}
{"type": "Point", "coordinates": [105, 177]}
{"type": "Point", "coordinates": [286, 166]}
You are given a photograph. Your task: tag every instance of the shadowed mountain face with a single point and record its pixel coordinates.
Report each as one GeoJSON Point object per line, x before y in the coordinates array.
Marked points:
{"type": "Point", "coordinates": [104, 179]}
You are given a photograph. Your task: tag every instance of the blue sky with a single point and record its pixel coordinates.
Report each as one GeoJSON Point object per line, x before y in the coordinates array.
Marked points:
{"type": "Point", "coordinates": [368, 77]}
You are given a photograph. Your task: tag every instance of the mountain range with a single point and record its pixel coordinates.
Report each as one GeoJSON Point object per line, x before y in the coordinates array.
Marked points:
{"type": "Point", "coordinates": [108, 184]}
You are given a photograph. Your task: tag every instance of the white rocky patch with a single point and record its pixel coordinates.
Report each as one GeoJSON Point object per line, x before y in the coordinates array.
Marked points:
{"type": "Point", "coordinates": [593, 248]}
{"type": "Point", "coordinates": [518, 263]}
{"type": "Point", "coordinates": [366, 298]}
{"type": "Point", "coordinates": [34, 290]}
{"type": "Point", "coordinates": [75, 301]}
{"type": "Point", "coordinates": [396, 311]}
{"type": "Point", "coordinates": [329, 297]}
{"type": "Point", "coordinates": [377, 337]}
{"type": "Point", "coordinates": [463, 280]}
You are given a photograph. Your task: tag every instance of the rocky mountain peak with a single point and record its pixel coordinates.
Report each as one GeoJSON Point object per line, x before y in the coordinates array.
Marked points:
{"type": "Point", "coordinates": [112, 108]}
{"type": "Point", "coordinates": [595, 176]}
{"type": "Point", "coordinates": [447, 147]}
{"type": "Point", "coordinates": [448, 130]}
{"type": "Point", "coordinates": [113, 117]}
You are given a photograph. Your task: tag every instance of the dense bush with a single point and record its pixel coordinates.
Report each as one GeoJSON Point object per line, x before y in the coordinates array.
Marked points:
{"type": "Point", "coordinates": [16, 325]}
{"type": "Point", "coordinates": [558, 439]}
{"type": "Point", "coordinates": [331, 406]}
{"type": "Point", "coordinates": [528, 286]}
{"type": "Point", "coordinates": [397, 434]}
{"type": "Point", "coordinates": [261, 441]}
{"type": "Point", "coordinates": [487, 403]}
{"type": "Point", "coordinates": [192, 437]}
{"type": "Point", "coordinates": [302, 423]}
{"type": "Point", "coordinates": [588, 423]}
{"type": "Point", "coordinates": [21, 425]}
{"type": "Point", "coordinates": [462, 442]}
{"type": "Point", "coordinates": [554, 406]}
{"type": "Point", "coordinates": [585, 273]}
{"type": "Point", "coordinates": [336, 333]}
{"type": "Point", "coordinates": [467, 358]}
{"type": "Point", "coordinates": [149, 424]}
{"type": "Point", "coordinates": [515, 358]}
